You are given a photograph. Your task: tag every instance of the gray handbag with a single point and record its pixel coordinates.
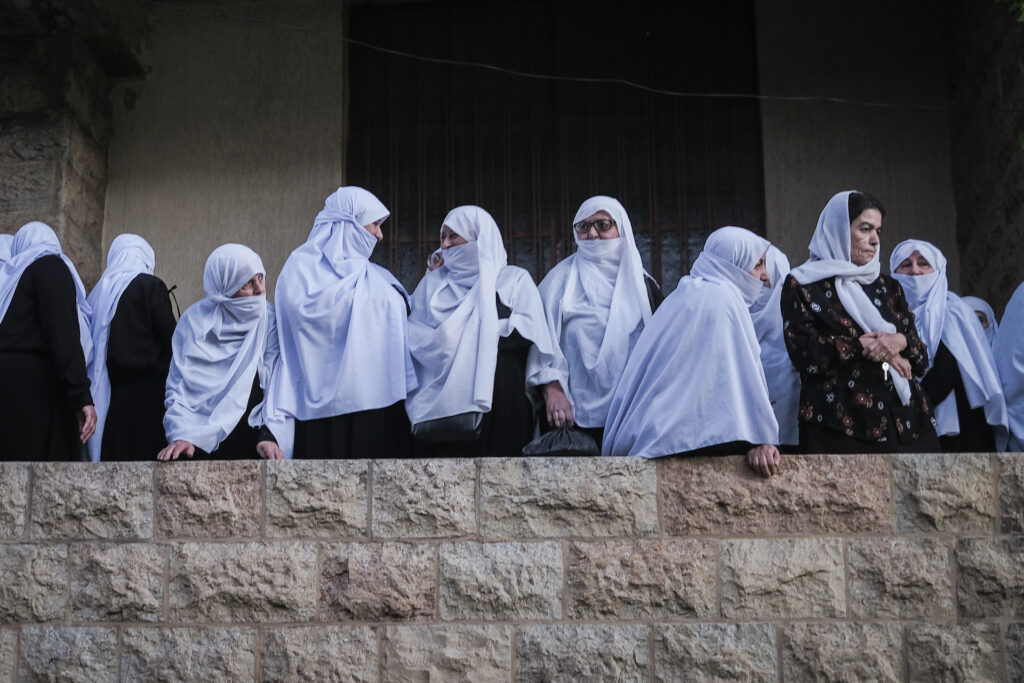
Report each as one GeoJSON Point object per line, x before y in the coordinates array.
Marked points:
{"type": "Point", "coordinates": [461, 427]}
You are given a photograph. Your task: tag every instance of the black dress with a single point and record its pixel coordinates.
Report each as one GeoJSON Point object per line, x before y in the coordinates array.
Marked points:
{"type": "Point", "coordinates": [42, 367]}
{"type": "Point", "coordinates": [976, 434]}
{"type": "Point", "coordinates": [240, 444]}
{"type": "Point", "coordinates": [138, 357]}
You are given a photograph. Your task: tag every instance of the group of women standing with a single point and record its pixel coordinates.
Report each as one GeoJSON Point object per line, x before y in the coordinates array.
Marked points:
{"type": "Point", "coordinates": [745, 356]}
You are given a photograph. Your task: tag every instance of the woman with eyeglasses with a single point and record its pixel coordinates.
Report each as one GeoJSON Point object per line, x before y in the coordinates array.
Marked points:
{"type": "Point", "coordinates": [474, 320]}
{"type": "Point", "coordinates": [596, 302]}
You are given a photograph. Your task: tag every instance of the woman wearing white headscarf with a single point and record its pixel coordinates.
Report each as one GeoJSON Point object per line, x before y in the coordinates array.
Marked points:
{"type": "Point", "coordinates": [473, 322]}
{"type": "Point", "coordinates": [223, 357]}
{"type": "Point", "coordinates": [596, 301]}
{"type": "Point", "coordinates": [44, 348]}
{"type": "Point", "coordinates": [961, 381]}
{"type": "Point", "coordinates": [694, 384]}
{"type": "Point", "coordinates": [851, 335]}
{"type": "Point", "coordinates": [986, 316]}
{"type": "Point", "coordinates": [1009, 355]}
{"type": "Point", "coordinates": [346, 368]}
{"type": "Point", "coordinates": [132, 324]}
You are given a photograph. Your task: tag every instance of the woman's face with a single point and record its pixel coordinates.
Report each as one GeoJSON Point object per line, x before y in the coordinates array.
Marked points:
{"type": "Point", "coordinates": [254, 287]}
{"type": "Point", "coordinates": [982, 318]}
{"type": "Point", "coordinates": [865, 236]}
{"type": "Point", "coordinates": [599, 226]}
{"type": "Point", "coordinates": [450, 238]}
{"type": "Point", "coordinates": [374, 229]}
{"type": "Point", "coordinates": [915, 264]}
{"type": "Point", "coordinates": [760, 271]}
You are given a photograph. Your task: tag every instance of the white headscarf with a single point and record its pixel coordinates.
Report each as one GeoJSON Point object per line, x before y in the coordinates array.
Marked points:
{"type": "Point", "coordinates": [128, 256]}
{"type": "Point", "coordinates": [5, 248]}
{"type": "Point", "coordinates": [830, 257]}
{"type": "Point", "coordinates": [982, 306]}
{"type": "Point", "coordinates": [596, 305]}
{"type": "Point", "coordinates": [942, 317]}
{"type": "Point", "coordinates": [695, 378]}
{"type": "Point", "coordinates": [32, 242]}
{"type": "Point", "coordinates": [342, 324]}
{"type": "Point", "coordinates": [218, 346]}
{"type": "Point", "coordinates": [1009, 354]}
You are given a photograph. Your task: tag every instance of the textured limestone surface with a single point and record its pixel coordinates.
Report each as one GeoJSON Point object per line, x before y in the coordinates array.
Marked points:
{"type": "Point", "coordinates": [68, 654]}
{"type": "Point", "coordinates": [181, 655]}
{"type": "Point", "coordinates": [209, 499]}
{"type": "Point", "coordinates": [638, 579]}
{"type": "Point", "coordinates": [33, 582]}
{"type": "Point", "coordinates": [1015, 652]}
{"type": "Point", "coordinates": [13, 499]}
{"type": "Point", "coordinates": [93, 500]}
{"type": "Point", "coordinates": [813, 494]}
{"type": "Point", "coordinates": [501, 581]}
{"type": "Point", "coordinates": [447, 653]}
{"type": "Point", "coordinates": [1011, 492]}
{"type": "Point", "coordinates": [969, 652]}
{"type": "Point", "coordinates": [900, 578]}
{"type": "Point", "coordinates": [424, 498]}
{"type": "Point", "coordinates": [718, 652]}
{"type": "Point", "coordinates": [317, 498]}
{"type": "Point", "coordinates": [553, 497]}
{"type": "Point", "coordinates": [320, 654]}
{"type": "Point", "coordinates": [764, 578]}
{"type": "Point", "coordinates": [8, 644]}
{"type": "Point", "coordinates": [378, 581]}
{"type": "Point", "coordinates": [945, 492]}
{"type": "Point", "coordinates": [243, 582]}
{"type": "Point", "coordinates": [842, 652]}
{"type": "Point", "coordinates": [991, 577]}
{"type": "Point", "coordinates": [117, 582]}
{"type": "Point", "coordinates": [565, 653]}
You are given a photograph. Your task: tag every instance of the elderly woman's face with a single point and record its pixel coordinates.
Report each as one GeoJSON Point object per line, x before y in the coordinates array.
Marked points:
{"type": "Point", "coordinates": [450, 238]}
{"type": "Point", "coordinates": [374, 229]}
{"type": "Point", "coordinates": [760, 271]}
{"type": "Point", "coordinates": [982, 318]}
{"type": "Point", "coordinates": [865, 236]}
{"type": "Point", "coordinates": [600, 226]}
{"type": "Point", "coordinates": [254, 287]}
{"type": "Point", "coordinates": [915, 264]}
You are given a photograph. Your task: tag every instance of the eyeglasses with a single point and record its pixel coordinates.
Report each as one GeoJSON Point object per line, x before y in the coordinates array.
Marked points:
{"type": "Point", "coordinates": [603, 225]}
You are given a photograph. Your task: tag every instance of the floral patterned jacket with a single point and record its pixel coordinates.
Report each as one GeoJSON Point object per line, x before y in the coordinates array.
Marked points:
{"type": "Point", "coordinates": [840, 388]}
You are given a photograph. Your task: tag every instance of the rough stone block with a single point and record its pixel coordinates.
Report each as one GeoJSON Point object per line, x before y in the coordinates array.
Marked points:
{"type": "Point", "coordinates": [87, 159]}
{"type": "Point", "coordinates": [68, 654]}
{"type": "Point", "coordinates": [8, 648]}
{"type": "Point", "coordinates": [813, 494]}
{"type": "Point", "coordinates": [557, 497]}
{"type": "Point", "coordinates": [991, 577]}
{"type": "Point", "coordinates": [317, 498]}
{"type": "Point", "coordinates": [13, 499]}
{"type": "Point", "coordinates": [83, 204]}
{"type": "Point", "coordinates": [424, 498]}
{"type": "Point", "coordinates": [93, 500]}
{"type": "Point", "coordinates": [28, 186]}
{"type": "Point", "coordinates": [642, 579]}
{"type": "Point", "coordinates": [1015, 652]}
{"type": "Point", "coordinates": [378, 581]}
{"type": "Point", "coordinates": [945, 492]}
{"type": "Point", "coordinates": [243, 582]}
{"type": "Point", "coordinates": [34, 580]}
{"type": "Point", "coordinates": [498, 581]}
{"type": "Point", "coordinates": [121, 582]}
{"type": "Point", "coordinates": [842, 652]}
{"type": "Point", "coordinates": [42, 141]}
{"type": "Point", "coordinates": [82, 244]}
{"type": "Point", "coordinates": [1011, 492]}
{"type": "Point", "coordinates": [969, 652]}
{"type": "Point", "coordinates": [782, 578]}
{"type": "Point", "coordinates": [321, 653]}
{"type": "Point", "coordinates": [900, 578]}
{"type": "Point", "coordinates": [188, 654]}
{"type": "Point", "coordinates": [447, 653]}
{"type": "Point", "coordinates": [209, 499]}
{"type": "Point", "coordinates": [574, 653]}
{"type": "Point", "coordinates": [719, 652]}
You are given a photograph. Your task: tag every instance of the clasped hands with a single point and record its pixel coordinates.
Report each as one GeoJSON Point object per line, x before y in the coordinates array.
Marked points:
{"type": "Point", "coordinates": [885, 347]}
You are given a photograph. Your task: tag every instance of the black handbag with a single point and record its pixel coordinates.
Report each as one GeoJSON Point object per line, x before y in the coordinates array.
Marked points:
{"type": "Point", "coordinates": [562, 441]}
{"type": "Point", "coordinates": [461, 427]}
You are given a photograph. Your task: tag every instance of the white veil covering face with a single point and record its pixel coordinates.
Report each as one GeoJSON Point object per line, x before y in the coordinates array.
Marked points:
{"type": "Point", "coordinates": [596, 305]}
{"type": "Point", "coordinates": [1009, 353]}
{"type": "Point", "coordinates": [941, 316]}
{"type": "Point", "coordinates": [783, 379]}
{"type": "Point", "coordinates": [695, 378]}
{"type": "Point", "coordinates": [128, 256]}
{"type": "Point", "coordinates": [341, 319]}
{"type": "Point", "coordinates": [830, 257]}
{"type": "Point", "coordinates": [32, 242]}
{"type": "Point", "coordinates": [454, 325]}
{"type": "Point", "coordinates": [218, 346]}
{"type": "Point", "coordinates": [981, 306]}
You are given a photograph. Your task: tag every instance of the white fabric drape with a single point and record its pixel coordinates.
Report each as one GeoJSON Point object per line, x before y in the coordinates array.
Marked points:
{"type": "Point", "coordinates": [341, 319]}
{"type": "Point", "coordinates": [982, 306]}
{"type": "Point", "coordinates": [596, 305]}
{"type": "Point", "coordinates": [942, 317]}
{"type": "Point", "coordinates": [1009, 354]}
{"type": "Point", "coordinates": [830, 257]}
{"type": "Point", "coordinates": [218, 346]}
{"type": "Point", "coordinates": [695, 377]}
{"type": "Point", "coordinates": [5, 248]}
{"type": "Point", "coordinates": [128, 256]}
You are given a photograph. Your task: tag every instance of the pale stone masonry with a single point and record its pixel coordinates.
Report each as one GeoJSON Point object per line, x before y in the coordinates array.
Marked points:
{"type": "Point", "coordinates": [902, 568]}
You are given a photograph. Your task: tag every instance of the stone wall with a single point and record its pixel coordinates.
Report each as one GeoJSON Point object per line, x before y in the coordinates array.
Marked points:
{"type": "Point", "coordinates": [841, 568]}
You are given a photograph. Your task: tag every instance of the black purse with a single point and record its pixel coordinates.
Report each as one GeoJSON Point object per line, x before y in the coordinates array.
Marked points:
{"type": "Point", "coordinates": [562, 441]}
{"type": "Point", "coordinates": [461, 427]}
